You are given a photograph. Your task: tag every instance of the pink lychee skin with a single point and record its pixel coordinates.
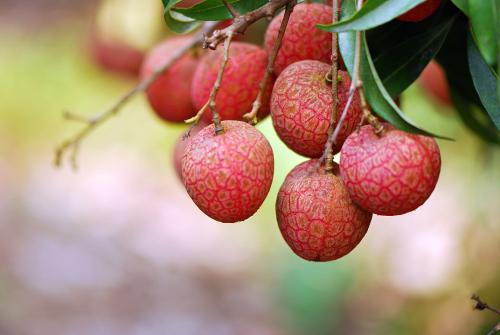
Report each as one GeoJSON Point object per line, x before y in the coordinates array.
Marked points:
{"type": "Point", "coordinates": [301, 108]}
{"type": "Point", "coordinates": [240, 84]}
{"type": "Point", "coordinates": [302, 39]}
{"type": "Point", "coordinates": [170, 94]}
{"type": "Point", "coordinates": [420, 12]}
{"type": "Point", "coordinates": [181, 145]}
{"type": "Point", "coordinates": [392, 174]}
{"type": "Point", "coordinates": [228, 176]}
{"type": "Point", "coordinates": [316, 215]}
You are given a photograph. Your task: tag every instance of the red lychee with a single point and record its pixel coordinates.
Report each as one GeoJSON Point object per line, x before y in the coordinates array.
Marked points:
{"type": "Point", "coordinates": [421, 12]}
{"type": "Point", "coordinates": [301, 107]}
{"type": "Point", "coordinates": [302, 40]}
{"type": "Point", "coordinates": [433, 80]}
{"type": "Point", "coordinates": [115, 56]}
{"type": "Point", "coordinates": [170, 93]}
{"type": "Point", "coordinates": [390, 174]}
{"type": "Point", "coordinates": [181, 145]}
{"type": "Point", "coordinates": [316, 215]}
{"type": "Point", "coordinates": [240, 84]}
{"type": "Point", "coordinates": [228, 176]}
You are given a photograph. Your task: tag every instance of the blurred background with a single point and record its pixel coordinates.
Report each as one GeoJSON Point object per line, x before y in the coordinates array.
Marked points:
{"type": "Point", "coordinates": [119, 248]}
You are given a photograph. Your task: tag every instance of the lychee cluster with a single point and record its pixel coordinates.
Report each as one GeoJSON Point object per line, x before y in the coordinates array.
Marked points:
{"type": "Point", "coordinates": [323, 212]}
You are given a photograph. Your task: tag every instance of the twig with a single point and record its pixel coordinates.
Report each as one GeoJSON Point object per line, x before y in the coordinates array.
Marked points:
{"type": "Point", "coordinates": [213, 95]}
{"type": "Point", "coordinates": [481, 305]}
{"type": "Point", "coordinates": [231, 9]}
{"type": "Point", "coordinates": [257, 104]}
{"type": "Point", "coordinates": [356, 85]}
{"type": "Point", "coordinates": [242, 22]}
{"type": "Point", "coordinates": [72, 144]}
{"type": "Point", "coordinates": [334, 81]}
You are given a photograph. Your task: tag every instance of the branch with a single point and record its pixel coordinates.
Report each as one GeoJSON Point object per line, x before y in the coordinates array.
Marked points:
{"type": "Point", "coordinates": [231, 9]}
{"type": "Point", "coordinates": [356, 85]}
{"type": "Point", "coordinates": [242, 22]}
{"type": "Point", "coordinates": [334, 81]}
{"type": "Point", "coordinates": [213, 95]}
{"type": "Point", "coordinates": [73, 143]}
{"type": "Point", "coordinates": [481, 305]}
{"type": "Point", "coordinates": [252, 116]}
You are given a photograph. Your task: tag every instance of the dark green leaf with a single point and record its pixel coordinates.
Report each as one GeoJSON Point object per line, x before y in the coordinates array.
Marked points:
{"type": "Point", "coordinates": [474, 119]}
{"type": "Point", "coordinates": [215, 10]}
{"type": "Point", "coordinates": [378, 98]}
{"type": "Point", "coordinates": [402, 61]}
{"type": "Point", "coordinates": [482, 15]}
{"type": "Point", "coordinates": [485, 81]}
{"type": "Point", "coordinates": [373, 13]}
{"type": "Point", "coordinates": [453, 58]}
{"type": "Point", "coordinates": [175, 21]}
{"type": "Point", "coordinates": [463, 5]}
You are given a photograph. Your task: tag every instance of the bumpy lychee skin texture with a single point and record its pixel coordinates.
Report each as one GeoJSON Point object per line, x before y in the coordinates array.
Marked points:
{"type": "Point", "coordinates": [301, 107]}
{"type": "Point", "coordinates": [240, 84]}
{"type": "Point", "coordinates": [229, 175]}
{"type": "Point", "coordinates": [302, 40]}
{"type": "Point", "coordinates": [316, 215]}
{"type": "Point", "coordinates": [170, 94]}
{"type": "Point", "coordinates": [421, 12]}
{"type": "Point", "coordinates": [181, 145]}
{"type": "Point", "coordinates": [391, 174]}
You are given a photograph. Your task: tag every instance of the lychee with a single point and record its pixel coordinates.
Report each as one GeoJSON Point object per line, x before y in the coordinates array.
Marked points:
{"type": "Point", "coordinates": [420, 12]}
{"type": "Point", "coordinates": [302, 39]}
{"type": "Point", "coordinates": [228, 176]}
{"type": "Point", "coordinates": [181, 145]}
{"type": "Point", "coordinates": [316, 215]}
{"type": "Point", "coordinates": [433, 80]}
{"type": "Point", "coordinates": [240, 84]}
{"type": "Point", "coordinates": [390, 174]}
{"type": "Point", "coordinates": [301, 107]}
{"type": "Point", "coordinates": [170, 94]}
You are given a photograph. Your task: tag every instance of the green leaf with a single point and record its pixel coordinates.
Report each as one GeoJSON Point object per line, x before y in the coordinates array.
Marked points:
{"type": "Point", "coordinates": [215, 10]}
{"type": "Point", "coordinates": [485, 81]}
{"type": "Point", "coordinates": [463, 5]}
{"type": "Point", "coordinates": [177, 22]}
{"type": "Point", "coordinates": [376, 94]}
{"type": "Point", "coordinates": [402, 61]}
{"type": "Point", "coordinates": [373, 13]}
{"type": "Point", "coordinates": [473, 118]}
{"type": "Point", "coordinates": [483, 19]}
{"type": "Point", "coordinates": [454, 60]}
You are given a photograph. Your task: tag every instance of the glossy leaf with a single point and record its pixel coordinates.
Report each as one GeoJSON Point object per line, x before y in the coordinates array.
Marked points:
{"type": "Point", "coordinates": [400, 64]}
{"type": "Point", "coordinates": [215, 10]}
{"type": "Point", "coordinates": [373, 13]}
{"type": "Point", "coordinates": [178, 22]}
{"type": "Point", "coordinates": [485, 81]}
{"type": "Point", "coordinates": [378, 98]}
{"type": "Point", "coordinates": [463, 5]}
{"type": "Point", "coordinates": [483, 18]}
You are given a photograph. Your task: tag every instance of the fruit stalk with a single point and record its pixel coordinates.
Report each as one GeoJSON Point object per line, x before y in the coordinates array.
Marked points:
{"type": "Point", "coordinates": [333, 78]}
{"type": "Point", "coordinates": [252, 116]}
{"type": "Point", "coordinates": [213, 95]}
{"type": "Point", "coordinates": [72, 144]}
{"type": "Point", "coordinates": [242, 22]}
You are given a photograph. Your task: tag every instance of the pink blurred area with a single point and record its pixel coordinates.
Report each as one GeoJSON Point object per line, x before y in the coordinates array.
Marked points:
{"type": "Point", "coordinates": [118, 248]}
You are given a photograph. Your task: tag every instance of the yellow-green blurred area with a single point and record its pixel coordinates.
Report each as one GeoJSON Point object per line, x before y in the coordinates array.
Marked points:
{"type": "Point", "coordinates": [119, 248]}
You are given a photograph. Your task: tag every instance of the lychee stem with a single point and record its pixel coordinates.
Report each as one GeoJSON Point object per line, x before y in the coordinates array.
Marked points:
{"type": "Point", "coordinates": [334, 75]}
{"type": "Point", "coordinates": [231, 9]}
{"type": "Point", "coordinates": [242, 22]}
{"type": "Point", "coordinates": [72, 144]}
{"type": "Point", "coordinates": [213, 95]}
{"type": "Point", "coordinates": [257, 104]}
